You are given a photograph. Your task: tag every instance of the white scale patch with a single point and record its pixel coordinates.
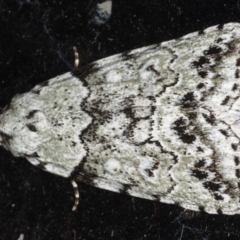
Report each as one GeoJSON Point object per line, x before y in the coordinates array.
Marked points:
{"type": "Point", "coordinates": [159, 122]}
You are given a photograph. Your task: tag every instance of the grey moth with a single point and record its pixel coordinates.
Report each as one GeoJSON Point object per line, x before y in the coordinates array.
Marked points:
{"type": "Point", "coordinates": [160, 122]}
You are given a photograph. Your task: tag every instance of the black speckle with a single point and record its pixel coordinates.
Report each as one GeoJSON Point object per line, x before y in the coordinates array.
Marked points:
{"type": "Point", "coordinates": [211, 89]}
{"type": "Point", "coordinates": [192, 115]}
{"type": "Point", "coordinates": [231, 46]}
{"type": "Point", "coordinates": [188, 100]}
{"type": "Point", "coordinates": [234, 87]}
{"type": "Point", "coordinates": [223, 132]}
{"type": "Point", "coordinates": [199, 149]}
{"type": "Point", "coordinates": [210, 119]}
{"type": "Point", "coordinates": [238, 173]}
{"type": "Point", "coordinates": [219, 40]}
{"type": "Point", "coordinates": [199, 174]}
{"type": "Point", "coordinates": [151, 68]}
{"type": "Point", "coordinates": [31, 114]}
{"type": "Point", "coordinates": [200, 163]}
{"type": "Point", "coordinates": [218, 58]}
{"type": "Point", "coordinates": [218, 197]}
{"type": "Point", "coordinates": [202, 74]}
{"type": "Point", "coordinates": [237, 73]}
{"type": "Point", "coordinates": [200, 85]}
{"type": "Point", "coordinates": [201, 61]}
{"type": "Point", "coordinates": [234, 146]}
{"type": "Point", "coordinates": [225, 101]}
{"type": "Point", "coordinates": [214, 187]}
{"type": "Point", "coordinates": [213, 50]}
{"type": "Point", "coordinates": [236, 160]}
{"type": "Point", "coordinates": [181, 127]}
{"type": "Point", "coordinates": [238, 62]}
{"type": "Point", "coordinates": [55, 105]}
{"type": "Point", "coordinates": [149, 172]}
{"type": "Point", "coordinates": [31, 127]}
{"type": "Point", "coordinates": [201, 32]}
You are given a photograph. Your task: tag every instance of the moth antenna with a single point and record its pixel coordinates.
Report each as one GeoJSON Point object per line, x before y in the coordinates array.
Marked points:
{"type": "Point", "coordinates": [76, 194]}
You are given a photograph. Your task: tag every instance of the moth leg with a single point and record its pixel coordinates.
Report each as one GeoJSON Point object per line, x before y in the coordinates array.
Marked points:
{"type": "Point", "coordinates": [76, 193]}
{"type": "Point", "coordinates": [76, 55]}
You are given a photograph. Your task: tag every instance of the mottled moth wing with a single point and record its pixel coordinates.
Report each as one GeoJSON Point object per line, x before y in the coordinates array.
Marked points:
{"type": "Point", "coordinates": [165, 121]}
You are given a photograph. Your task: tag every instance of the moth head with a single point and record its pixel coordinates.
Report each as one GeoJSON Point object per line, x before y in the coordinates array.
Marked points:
{"type": "Point", "coordinates": [45, 128]}
{"type": "Point", "coordinates": [20, 122]}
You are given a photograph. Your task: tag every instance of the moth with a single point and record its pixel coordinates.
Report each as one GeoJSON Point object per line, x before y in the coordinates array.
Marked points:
{"type": "Point", "coordinates": [160, 122]}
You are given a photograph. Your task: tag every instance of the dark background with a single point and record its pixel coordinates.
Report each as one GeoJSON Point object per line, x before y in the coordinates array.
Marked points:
{"type": "Point", "coordinates": [36, 39]}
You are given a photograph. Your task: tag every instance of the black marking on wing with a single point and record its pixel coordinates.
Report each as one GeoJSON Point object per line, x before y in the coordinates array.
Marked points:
{"type": "Point", "coordinates": [213, 50]}
{"type": "Point", "coordinates": [199, 174]}
{"type": "Point", "coordinates": [180, 127]}
{"type": "Point", "coordinates": [214, 187]}
{"type": "Point", "coordinates": [31, 114]}
{"type": "Point", "coordinates": [31, 127]}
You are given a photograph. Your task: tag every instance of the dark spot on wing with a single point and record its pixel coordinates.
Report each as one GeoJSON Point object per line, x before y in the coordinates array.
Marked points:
{"type": "Point", "coordinates": [188, 100]}
{"type": "Point", "coordinates": [200, 85]}
{"type": "Point", "coordinates": [202, 74]}
{"type": "Point", "coordinates": [31, 127]}
{"type": "Point", "coordinates": [234, 87]}
{"type": "Point", "coordinates": [238, 62]}
{"type": "Point", "coordinates": [200, 163]}
{"type": "Point", "coordinates": [234, 146]}
{"type": "Point", "coordinates": [199, 149]}
{"type": "Point", "coordinates": [225, 101]}
{"type": "Point", "coordinates": [218, 196]}
{"type": "Point", "coordinates": [223, 132]}
{"type": "Point", "coordinates": [152, 68]}
{"type": "Point", "coordinates": [238, 173]}
{"type": "Point", "coordinates": [31, 114]}
{"type": "Point", "coordinates": [180, 127]}
{"type": "Point", "coordinates": [237, 73]}
{"type": "Point", "coordinates": [201, 61]}
{"type": "Point", "coordinates": [199, 174]}
{"type": "Point", "coordinates": [236, 160]}
{"type": "Point", "coordinates": [214, 187]}
{"type": "Point", "coordinates": [213, 50]}
{"type": "Point", "coordinates": [210, 119]}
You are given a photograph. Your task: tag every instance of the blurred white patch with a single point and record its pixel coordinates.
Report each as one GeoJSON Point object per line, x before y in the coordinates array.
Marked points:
{"type": "Point", "coordinates": [101, 13]}
{"type": "Point", "coordinates": [21, 237]}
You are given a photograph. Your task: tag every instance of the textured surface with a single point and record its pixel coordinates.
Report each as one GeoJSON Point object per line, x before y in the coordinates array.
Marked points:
{"type": "Point", "coordinates": [159, 122]}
